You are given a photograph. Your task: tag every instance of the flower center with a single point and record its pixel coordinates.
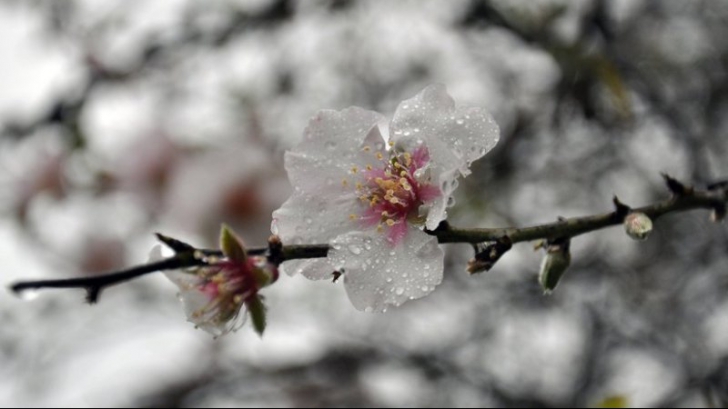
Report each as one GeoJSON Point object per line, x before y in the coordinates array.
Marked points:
{"type": "Point", "coordinates": [393, 192]}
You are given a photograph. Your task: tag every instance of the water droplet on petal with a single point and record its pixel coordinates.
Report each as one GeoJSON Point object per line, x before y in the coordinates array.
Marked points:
{"type": "Point", "coordinates": [399, 291]}
{"type": "Point", "coordinates": [450, 201]}
{"type": "Point", "coordinates": [309, 221]}
{"type": "Point", "coordinates": [389, 279]}
{"type": "Point", "coordinates": [459, 121]}
{"type": "Point", "coordinates": [425, 288]}
{"type": "Point", "coordinates": [274, 227]}
{"type": "Point", "coordinates": [369, 309]}
{"type": "Point", "coordinates": [354, 249]}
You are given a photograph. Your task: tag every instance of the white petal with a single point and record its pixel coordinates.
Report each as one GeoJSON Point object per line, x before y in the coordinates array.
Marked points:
{"type": "Point", "coordinates": [305, 219]}
{"type": "Point", "coordinates": [378, 276]}
{"type": "Point", "coordinates": [332, 146]}
{"type": "Point", "coordinates": [314, 269]}
{"type": "Point", "coordinates": [455, 136]}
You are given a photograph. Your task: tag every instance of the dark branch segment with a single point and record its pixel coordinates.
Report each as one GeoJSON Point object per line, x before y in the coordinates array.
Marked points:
{"type": "Point", "coordinates": [490, 244]}
{"type": "Point", "coordinates": [95, 285]}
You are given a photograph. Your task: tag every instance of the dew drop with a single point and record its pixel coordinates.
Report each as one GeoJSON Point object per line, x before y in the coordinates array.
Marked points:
{"type": "Point", "coordinates": [274, 228]}
{"type": "Point", "coordinates": [425, 288]}
{"type": "Point", "coordinates": [417, 130]}
{"type": "Point", "coordinates": [354, 249]}
{"type": "Point", "coordinates": [392, 253]}
{"type": "Point", "coordinates": [369, 310]}
{"type": "Point", "coordinates": [399, 291]}
{"type": "Point", "coordinates": [309, 221]}
{"type": "Point", "coordinates": [407, 133]}
{"type": "Point", "coordinates": [459, 121]}
{"type": "Point", "coordinates": [389, 279]}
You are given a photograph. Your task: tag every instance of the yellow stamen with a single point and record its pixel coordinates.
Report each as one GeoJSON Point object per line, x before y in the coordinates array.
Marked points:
{"type": "Point", "coordinates": [367, 149]}
{"type": "Point", "coordinates": [391, 143]}
{"type": "Point", "coordinates": [380, 156]}
{"type": "Point", "coordinates": [407, 158]}
{"type": "Point", "coordinates": [353, 216]}
{"type": "Point", "coordinates": [354, 170]}
{"type": "Point", "coordinates": [390, 222]}
{"type": "Point", "coordinates": [369, 167]}
{"type": "Point", "coordinates": [359, 186]}
{"type": "Point", "coordinates": [380, 228]}
{"type": "Point", "coordinates": [345, 183]}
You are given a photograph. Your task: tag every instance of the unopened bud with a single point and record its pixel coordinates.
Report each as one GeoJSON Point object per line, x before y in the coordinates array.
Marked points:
{"type": "Point", "coordinates": [638, 225]}
{"type": "Point", "coordinates": [554, 265]}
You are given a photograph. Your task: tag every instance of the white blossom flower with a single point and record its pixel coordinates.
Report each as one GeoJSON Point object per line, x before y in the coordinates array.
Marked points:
{"type": "Point", "coordinates": [369, 190]}
{"type": "Point", "coordinates": [218, 297]}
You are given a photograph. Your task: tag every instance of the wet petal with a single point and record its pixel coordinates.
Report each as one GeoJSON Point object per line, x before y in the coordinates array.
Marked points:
{"type": "Point", "coordinates": [314, 269]}
{"type": "Point", "coordinates": [336, 144]}
{"type": "Point", "coordinates": [378, 276]}
{"type": "Point", "coordinates": [454, 136]}
{"type": "Point", "coordinates": [305, 219]}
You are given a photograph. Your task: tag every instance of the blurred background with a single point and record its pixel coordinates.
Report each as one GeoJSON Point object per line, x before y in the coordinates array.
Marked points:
{"type": "Point", "coordinates": [120, 118]}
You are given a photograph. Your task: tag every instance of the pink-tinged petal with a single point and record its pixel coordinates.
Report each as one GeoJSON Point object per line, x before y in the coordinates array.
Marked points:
{"type": "Point", "coordinates": [374, 173]}
{"type": "Point", "coordinates": [420, 157]}
{"type": "Point", "coordinates": [396, 234]}
{"type": "Point", "coordinates": [378, 276]}
{"type": "Point", "coordinates": [371, 217]}
{"type": "Point", "coordinates": [429, 193]}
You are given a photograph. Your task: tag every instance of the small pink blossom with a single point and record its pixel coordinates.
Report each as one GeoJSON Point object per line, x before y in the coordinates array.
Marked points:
{"type": "Point", "coordinates": [217, 298]}
{"type": "Point", "coordinates": [369, 190]}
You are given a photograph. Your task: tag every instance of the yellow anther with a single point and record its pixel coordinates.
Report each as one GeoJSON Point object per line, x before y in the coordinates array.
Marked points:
{"type": "Point", "coordinates": [369, 167]}
{"type": "Point", "coordinates": [397, 165]}
{"type": "Point", "coordinates": [380, 228]}
{"type": "Point", "coordinates": [403, 173]}
{"type": "Point", "coordinates": [345, 183]}
{"type": "Point", "coordinates": [380, 156]}
{"type": "Point", "coordinates": [354, 170]}
{"type": "Point", "coordinates": [367, 149]}
{"type": "Point", "coordinates": [353, 216]}
{"type": "Point", "coordinates": [359, 186]}
{"type": "Point", "coordinates": [407, 158]}
{"type": "Point", "coordinates": [391, 143]}
{"type": "Point", "coordinates": [390, 222]}
{"type": "Point", "coordinates": [364, 198]}
{"type": "Point", "coordinates": [238, 299]}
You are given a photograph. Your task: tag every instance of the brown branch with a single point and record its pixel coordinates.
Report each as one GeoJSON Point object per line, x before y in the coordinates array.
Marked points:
{"type": "Point", "coordinates": [684, 198]}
